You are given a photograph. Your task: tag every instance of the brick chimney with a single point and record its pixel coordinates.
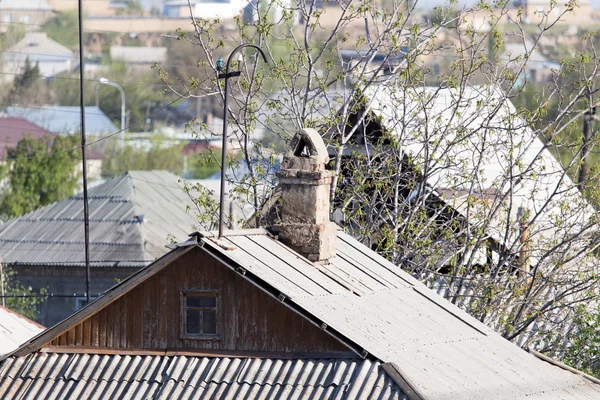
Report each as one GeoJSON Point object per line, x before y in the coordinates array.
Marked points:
{"type": "Point", "coordinates": [305, 185]}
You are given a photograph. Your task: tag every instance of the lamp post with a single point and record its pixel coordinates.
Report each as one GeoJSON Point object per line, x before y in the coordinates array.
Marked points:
{"type": "Point", "coordinates": [229, 74]}
{"type": "Point", "coordinates": [116, 85]}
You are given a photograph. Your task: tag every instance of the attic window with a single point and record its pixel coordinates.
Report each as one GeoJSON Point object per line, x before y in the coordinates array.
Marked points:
{"type": "Point", "coordinates": [199, 316]}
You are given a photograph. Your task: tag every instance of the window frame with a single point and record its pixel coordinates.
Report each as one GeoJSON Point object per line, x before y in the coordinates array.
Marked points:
{"type": "Point", "coordinates": [183, 314]}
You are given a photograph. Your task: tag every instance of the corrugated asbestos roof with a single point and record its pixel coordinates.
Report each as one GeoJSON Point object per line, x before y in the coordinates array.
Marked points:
{"type": "Point", "coordinates": [442, 351]}
{"type": "Point", "coordinates": [71, 376]}
{"type": "Point", "coordinates": [437, 351]}
{"type": "Point", "coordinates": [15, 329]}
{"type": "Point", "coordinates": [130, 218]}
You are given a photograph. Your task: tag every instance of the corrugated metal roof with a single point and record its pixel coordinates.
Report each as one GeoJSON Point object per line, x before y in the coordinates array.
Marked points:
{"type": "Point", "coordinates": [130, 218]}
{"type": "Point", "coordinates": [68, 376]}
{"type": "Point", "coordinates": [444, 352]}
{"type": "Point", "coordinates": [15, 329]}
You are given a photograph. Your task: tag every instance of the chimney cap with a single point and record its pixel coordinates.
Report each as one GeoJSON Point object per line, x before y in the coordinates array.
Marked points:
{"type": "Point", "coordinates": [308, 143]}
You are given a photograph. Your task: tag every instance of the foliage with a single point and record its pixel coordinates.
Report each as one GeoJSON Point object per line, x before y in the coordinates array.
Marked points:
{"type": "Point", "coordinates": [39, 172]}
{"type": "Point", "coordinates": [28, 87]}
{"type": "Point", "coordinates": [62, 28]}
{"type": "Point", "coordinates": [159, 153]}
{"type": "Point", "coordinates": [133, 8]}
{"type": "Point", "coordinates": [25, 301]}
{"type": "Point", "coordinates": [445, 16]}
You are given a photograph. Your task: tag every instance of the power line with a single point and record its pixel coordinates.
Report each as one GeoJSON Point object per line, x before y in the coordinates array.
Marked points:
{"type": "Point", "coordinates": [139, 122]}
{"type": "Point", "coordinates": [89, 80]}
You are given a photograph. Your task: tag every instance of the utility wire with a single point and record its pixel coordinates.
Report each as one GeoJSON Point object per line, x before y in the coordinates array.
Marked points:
{"type": "Point", "coordinates": [140, 122]}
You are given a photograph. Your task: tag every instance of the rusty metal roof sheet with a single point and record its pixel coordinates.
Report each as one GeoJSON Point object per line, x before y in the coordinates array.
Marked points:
{"type": "Point", "coordinates": [68, 376]}
{"type": "Point", "coordinates": [15, 329]}
{"type": "Point", "coordinates": [444, 352]}
{"type": "Point", "coordinates": [130, 218]}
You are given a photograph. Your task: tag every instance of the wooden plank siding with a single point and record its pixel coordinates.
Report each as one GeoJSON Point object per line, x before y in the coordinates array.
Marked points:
{"type": "Point", "coordinates": [148, 316]}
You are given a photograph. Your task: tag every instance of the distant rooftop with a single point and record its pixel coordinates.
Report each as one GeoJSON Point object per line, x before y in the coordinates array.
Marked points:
{"type": "Point", "coordinates": [138, 54]}
{"type": "Point", "coordinates": [15, 329]}
{"type": "Point", "coordinates": [18, 5]}
{"type": "Point", "coordinates": [37, 46]}
{"type": "Point", "coordinates": [64, 119]}
{"type": "Point", "coordinates": [131, 216]}
{"type": "Point", "coordinates": [12, 130]}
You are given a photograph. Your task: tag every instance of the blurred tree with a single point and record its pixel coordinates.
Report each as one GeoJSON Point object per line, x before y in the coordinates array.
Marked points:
{"type": "Point", "coordinates": [39, 172]}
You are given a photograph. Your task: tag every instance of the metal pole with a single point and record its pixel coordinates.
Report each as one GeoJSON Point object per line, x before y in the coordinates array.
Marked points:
{"type": "Point", "coordinates": [2, 280]}
{"type": "Point", "coordinates": [122, 117]}
{"type": "Point", "coordinates": [585, 147]}
{"type": "Point", "coordinates": [226, 76]}
{"type": "Point", "coordinates": [86, 216]}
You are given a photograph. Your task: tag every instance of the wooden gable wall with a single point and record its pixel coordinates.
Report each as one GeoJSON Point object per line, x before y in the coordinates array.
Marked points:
{"type": "Point", "coordinates": [149, 316]}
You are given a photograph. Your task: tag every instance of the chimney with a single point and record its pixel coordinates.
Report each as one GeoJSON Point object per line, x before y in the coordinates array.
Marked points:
{"type": "Point", "coordinates": [305, 185]}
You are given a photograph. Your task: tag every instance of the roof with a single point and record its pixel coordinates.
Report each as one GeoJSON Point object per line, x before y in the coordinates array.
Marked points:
{"type": "Point", "coordinates": [138, 54]}
{"type": "Point", "coordinates": [61, 376]}
{"type": "Point", "coordinates": [131, 217]}
{"type": "Point", "coordinates": [37, 46]}
{"type": "Point", "coordinates": [15, 329]}
{"type": "Point", "coordinates": [455, 137]}
{"type": "Point", "coordinates": [441, 350]}
{"type": "Point", "coordinates": [64, 119]}
{"type": "Point", "coordinates": [12, 130]}
{"type": "Point", "coordinates": [18, 5]}
{"type": "Point", "coordinates": [378, 311]}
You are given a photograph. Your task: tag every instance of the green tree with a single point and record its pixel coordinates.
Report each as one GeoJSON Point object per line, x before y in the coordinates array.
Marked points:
{"type": "Point", "coordinates": [21, 299]}
{"type": "Point", "coordinates": [61, 28]}
{"type": "Point", "coordinates": [28, 87]}
{"type": "Point", "coordinates": [160, 154]}
{"type": "Point", "coordinates": [39, 172]}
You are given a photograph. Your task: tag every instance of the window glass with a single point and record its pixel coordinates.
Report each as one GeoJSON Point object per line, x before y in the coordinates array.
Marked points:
{"type": "Point", "coordinates": [209, 322]}
{"type": "Point", "coordinates": [200, 314]}
{"type": "Point", "coordinates": [193, 321]}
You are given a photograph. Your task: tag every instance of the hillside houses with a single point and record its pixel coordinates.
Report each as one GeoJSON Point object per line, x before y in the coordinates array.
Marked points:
{"type": "Point", "coordinates": [248, 315]}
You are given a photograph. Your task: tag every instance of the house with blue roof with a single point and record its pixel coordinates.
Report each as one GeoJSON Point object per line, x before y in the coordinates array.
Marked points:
{"type": "Point", "coordinates": [64, 119]}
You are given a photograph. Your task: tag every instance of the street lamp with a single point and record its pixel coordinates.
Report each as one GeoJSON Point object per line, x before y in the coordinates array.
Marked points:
{"type": "Point", "coordinates": [116, 85]}
{"type": "Point", "coordinates": [229, 74]}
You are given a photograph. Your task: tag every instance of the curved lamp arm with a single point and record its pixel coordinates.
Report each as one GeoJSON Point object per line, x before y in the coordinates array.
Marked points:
{"type": "Point", "coordinates": [228, 74]}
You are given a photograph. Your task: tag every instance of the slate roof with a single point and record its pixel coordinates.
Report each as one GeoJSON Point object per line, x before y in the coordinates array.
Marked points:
{"type": "Point", "coordinates": [443, 352]}
{"type": "Point", "coordinates": [64, 119]}
{"type": "Point", "coordinates": [68, 376]}
{"type": "Point", "coordinates": [459, 125]}
{"type": "Point", "coordinates": [15, 329]}
{"type": "Point", "coordinates": [37, 46]}
{"type": "Point", "coordinates": [12, 130]}
{"type": "Point", "coordinates": [130, 218]}
{"type": "Point", "coordinates": [380, 312]}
